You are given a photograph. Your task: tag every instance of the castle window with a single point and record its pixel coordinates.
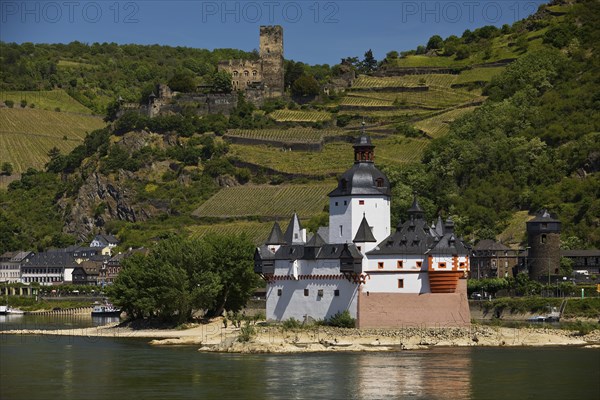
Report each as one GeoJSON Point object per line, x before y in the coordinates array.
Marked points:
{"type": "Point", "coordinates": [320, 293]}
{"type": "Point", "coordinates": [379, 182]}
{"type": "Point", "coordinates": [358, 247]}
{"type": "Point", "coordinates": [442, 265]}
{"type": "Point", "coordinates": [361, 202]}
{"type": "Point", "coordinates": [461, 265]}
{"type": "Point", "coordinates": [399, 264]}
{"type": "Point", "coordinates": [345, 202]}
{"type": "Point", "coordinates": [336, 292]}
{"type": "Point", "coordinates": [419, 264]}
{"type": "Point", "coordinates": [380, 265]}
{"type": "Point", "coordinates": [543, 239]}
{"type": "Point", "coordinates": [400, 283]}
{"type": "Point", "coordinates": [336, 203]}
{"type": "Point", "coordinates": [306, 292]}
{"type": "Point", "coordinates": [279, 292]}
{"type": "Point", "coordinates": [254, 73]}
{"type": "Point", "coordinates": [341, 230]}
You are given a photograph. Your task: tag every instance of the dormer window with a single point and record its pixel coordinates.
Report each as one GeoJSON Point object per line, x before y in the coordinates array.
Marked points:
{"type": "Point", "coordinates": [379, 182]}
{"type": "Point", "coordinates": [344, 184]}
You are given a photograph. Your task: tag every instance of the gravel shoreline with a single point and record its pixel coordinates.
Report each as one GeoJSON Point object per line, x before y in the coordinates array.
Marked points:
{"type": "Point", "coordinates": [213, 337]}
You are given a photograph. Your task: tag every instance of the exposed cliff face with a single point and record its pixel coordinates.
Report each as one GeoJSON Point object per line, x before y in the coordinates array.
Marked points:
{"type": "Point", "coordinates": [101, 199]}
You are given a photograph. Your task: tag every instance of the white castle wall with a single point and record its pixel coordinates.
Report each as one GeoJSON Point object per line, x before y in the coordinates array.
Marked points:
{"type": "Point", "coordinates": [348, 213]}
{"type": "Point", "coordinates": [292, 303]}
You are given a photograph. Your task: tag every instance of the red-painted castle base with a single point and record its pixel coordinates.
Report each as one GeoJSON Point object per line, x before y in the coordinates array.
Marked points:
{"type": "Point", "coordinates": [399, 310]}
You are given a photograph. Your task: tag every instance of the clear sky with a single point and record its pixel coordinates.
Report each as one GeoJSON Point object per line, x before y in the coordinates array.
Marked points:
{"type": "Point", "coordinates": [315, 32]}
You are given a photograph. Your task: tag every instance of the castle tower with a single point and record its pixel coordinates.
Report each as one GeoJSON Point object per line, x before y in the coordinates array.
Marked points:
{"type": "Point", "coordinates": [543, 239]}
{"type": "Point", "coordinates": [271, 55]}
{"type": "Point", "coordinates": [363, 193]}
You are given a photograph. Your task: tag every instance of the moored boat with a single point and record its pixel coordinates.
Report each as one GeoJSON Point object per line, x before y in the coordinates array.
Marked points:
{"type": "Point", "coordinates": [6, 310]}
{"type": "Point", "coordinates": [105, 310]}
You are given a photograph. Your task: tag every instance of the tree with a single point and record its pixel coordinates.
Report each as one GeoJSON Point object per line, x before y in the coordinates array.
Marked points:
{"type": "Point", "coordinates": [7, 168]}
{"type": "Point", "coordinates": [305, 86]}
{"type": "Point", "coordinates": [369, 63]}
{"type": "Point", "coordinates": [435, 42]}
{"type": "Point", "coordinates": [182, 82]}
{"type": "Point", "coordinates": [181, 275]}
{"type": "Point", "coordinates": [221, 82]}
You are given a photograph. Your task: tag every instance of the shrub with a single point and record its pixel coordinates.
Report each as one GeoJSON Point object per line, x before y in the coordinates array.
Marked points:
{"type": "Point", "coordinates": [57, 109]}
{"type": "Point", "coordinates": [247, 332]}
{"type": "Point", "coordinates": [9, 103]}
{"type": "Point", "coordinates": [23, 103]}
{"type": "Point", "coordinates": [342, 320]}
{"type": "Point", "coordinates": [291, 323]}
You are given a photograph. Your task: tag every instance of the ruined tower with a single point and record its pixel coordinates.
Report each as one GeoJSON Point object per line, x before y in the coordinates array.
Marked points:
{"type": "Point", "coordinates": [543, 239]}
{"type": "Point", "coordinates": [271, 56]}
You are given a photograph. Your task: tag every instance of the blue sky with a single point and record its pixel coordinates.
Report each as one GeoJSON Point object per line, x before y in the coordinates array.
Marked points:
{"type": "Point", "coordinates": [315, 32]}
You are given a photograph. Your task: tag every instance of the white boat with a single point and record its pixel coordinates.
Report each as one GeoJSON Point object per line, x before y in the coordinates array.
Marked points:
{"type": "Point", "coordinates": [105, 310]}
{"type": "Point", "coordinates": [6, 310]}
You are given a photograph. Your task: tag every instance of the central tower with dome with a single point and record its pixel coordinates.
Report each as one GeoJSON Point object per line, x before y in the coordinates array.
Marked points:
{"type": "Point", "coordinates": [363, 194]}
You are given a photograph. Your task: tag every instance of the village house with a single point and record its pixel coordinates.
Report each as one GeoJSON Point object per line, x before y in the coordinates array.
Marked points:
{"type": "Point", "coordinates": [10, 265]}
{"type": "Point", "coordinates": [414, 275]}
{"type": "Point", "coordinates": [493, 259]}
{"type": "Point", "coordinates": [104, 241]}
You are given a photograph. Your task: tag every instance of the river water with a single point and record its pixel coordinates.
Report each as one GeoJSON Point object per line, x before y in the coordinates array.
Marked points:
{"type": "Point", "coordinates": [64, 367]}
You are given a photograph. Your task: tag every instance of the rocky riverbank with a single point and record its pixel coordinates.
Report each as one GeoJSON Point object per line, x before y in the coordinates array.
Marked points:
{"type": "Point", "coordinates": [213, 337]}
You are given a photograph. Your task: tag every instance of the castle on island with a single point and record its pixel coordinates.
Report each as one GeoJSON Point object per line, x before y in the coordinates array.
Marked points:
{"type": "Point", "coordinates": [414, 274]}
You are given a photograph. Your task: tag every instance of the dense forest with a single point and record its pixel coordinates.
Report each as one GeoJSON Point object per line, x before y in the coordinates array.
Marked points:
{"type": "Point", "coordinates": [534, 143]}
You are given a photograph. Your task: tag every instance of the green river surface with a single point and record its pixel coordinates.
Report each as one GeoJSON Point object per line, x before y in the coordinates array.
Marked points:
{"type": "Point", "coordinates": [68, 367]}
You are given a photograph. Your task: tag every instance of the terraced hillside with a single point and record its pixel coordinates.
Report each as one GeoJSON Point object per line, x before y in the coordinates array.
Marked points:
{"type": "Point", "coordinates": [300, 116]}
{"type": "Point", "coordinates": [45, 100]}
{"type": "Point", "coordinates": [266, 201]}
{"type": "Point", "coordinates": [26, 135]}
{"type": "Point", "coordinates": [256, 231]}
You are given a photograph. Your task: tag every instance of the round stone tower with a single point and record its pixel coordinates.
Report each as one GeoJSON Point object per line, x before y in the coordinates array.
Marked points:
{"type": "Point", "coordinates": [543, 239]}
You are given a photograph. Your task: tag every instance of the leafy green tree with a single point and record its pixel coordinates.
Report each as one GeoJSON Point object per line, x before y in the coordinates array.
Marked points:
{"type": "Point", "coordinates": [221, 82]}
{"type": "Point", "coordinates": [7, 168]}
{"type": "Point", "coordinates": [182, 275]}
{"type": "Point", "coordinates": [183, 82]}
{"type": "Point", "coordinates": [305, 86]}
{"type": "Point", "coordinates": [435, 42]}
{"type": "Point", "coordinates": [369, 63]}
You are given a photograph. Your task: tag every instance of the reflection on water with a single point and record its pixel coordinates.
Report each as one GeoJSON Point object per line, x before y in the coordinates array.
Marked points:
{"type": "Point", "coordinates": [20, 321]}
{"type": "Point", "coordinates": [42, 367]}
{"type": "Point", "coordinates": [416, 375]}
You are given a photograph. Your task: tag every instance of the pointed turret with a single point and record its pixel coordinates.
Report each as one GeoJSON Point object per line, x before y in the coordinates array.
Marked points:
{"type": "Point", "coordinates": [294, 232]}
{"type": "Point", "coordinates": [276, 236]}
{"type": "Point", "coordinates": [364, 233]}
{"type": "Point", "coordinates": [415, 211]}
{"type": "Point", "coordinates": [439, 226]}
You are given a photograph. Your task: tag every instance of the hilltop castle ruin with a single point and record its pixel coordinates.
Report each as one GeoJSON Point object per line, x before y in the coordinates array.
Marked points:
{"type": "Point", "coordinates": [266, 73]}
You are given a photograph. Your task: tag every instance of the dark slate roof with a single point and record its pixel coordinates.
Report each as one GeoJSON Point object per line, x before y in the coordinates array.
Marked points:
{"type": "Point", "coordinates": [411, 237]}
{"type": "Point", "coordinates": [276, 236]}
{"type": "Point", "coordinates": [488, 244]}
{"type": "Point", "coordinates": [449, 244]}
{"type": "Point", "coordinates": [543, 216]}
{"type": "Point", "coordinates": [327, 251]}
{"type": "Point", "coordinates": [361, 179]}
{"type": "Point", "coordinates": [51, 259]}
{"type": "Point", "coordinates": [316, 241]}
{"type": "Point", "coordinates": [363, 140]}
{"type": "Point", "coordinates": [415, 208]}
{"type": "Point", "coordinates": [323, 231]}
{"type": "Point", "coordinates": [364, 233]}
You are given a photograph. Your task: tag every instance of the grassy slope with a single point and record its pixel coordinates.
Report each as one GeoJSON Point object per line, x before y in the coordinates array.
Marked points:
{"type": "Point", "coordinates": [26, 135]}
{"type": "Point", "coordinates": [46, 100]}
